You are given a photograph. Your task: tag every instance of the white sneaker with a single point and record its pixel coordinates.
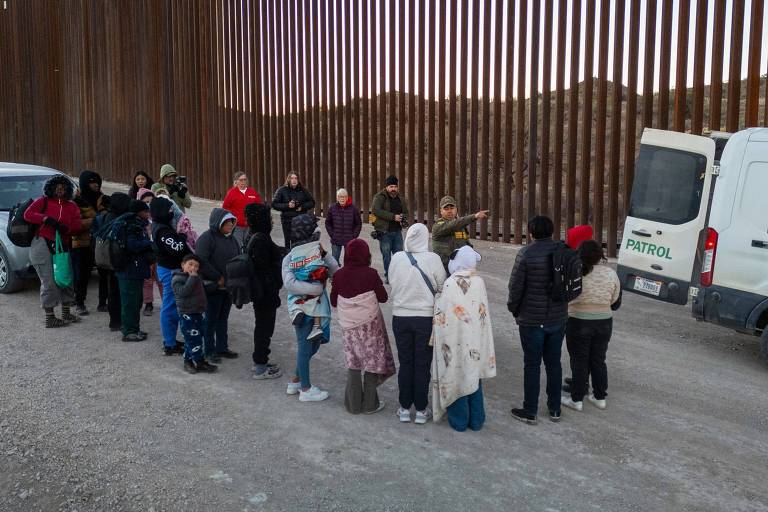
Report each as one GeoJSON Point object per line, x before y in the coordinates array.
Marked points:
{"type": "Point", "coordinates": [423, 416]}
{"type": "Point", "coordinates": [404, 415]}
{"type": "Point", "coordinates": [293, 388]}
{"type": "Point", "coordinates": [316, 335]}
{"type": "Point", "coordinates": [314, 394]}
{"type": "Point", "coordinates": [600, 404]}
{"type": "Point", "coordinates": [569, 403]}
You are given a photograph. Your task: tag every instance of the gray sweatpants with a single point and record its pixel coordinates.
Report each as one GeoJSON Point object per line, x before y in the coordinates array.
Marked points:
{"type": "Point", "coordinates": [50, 294]}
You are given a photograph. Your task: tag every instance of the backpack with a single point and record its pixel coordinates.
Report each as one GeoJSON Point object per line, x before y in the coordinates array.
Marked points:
{"type": "Point", "coordinates": [239, 280]}
{"type": "Point", "coordinates": [19, 231]}
{"type": "Point", "coordinates": [566, 274]}
{"type": "Point", "coordinates": [110, 246]}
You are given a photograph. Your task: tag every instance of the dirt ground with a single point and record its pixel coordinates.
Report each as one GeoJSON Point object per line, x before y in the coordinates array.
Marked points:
{"type": "Point", "coordinates": [89, 423]}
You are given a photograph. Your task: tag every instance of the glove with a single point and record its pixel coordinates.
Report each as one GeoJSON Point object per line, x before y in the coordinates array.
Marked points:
{"type": "Point", "coordinates": [63, 229]}
{"type": "Point", "coordinates": [50, 221]}
{"type": "Point", "coordinates": [182, 191]}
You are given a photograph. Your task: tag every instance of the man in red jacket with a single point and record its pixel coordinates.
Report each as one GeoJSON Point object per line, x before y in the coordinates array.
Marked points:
{"type": "Point", "coordinates": [55, 212]}
{"type": "Point", "coordinates": [237, 198]}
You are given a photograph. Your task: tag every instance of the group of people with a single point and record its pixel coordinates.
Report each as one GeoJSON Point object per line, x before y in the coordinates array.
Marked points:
{"type": "Point", "coordinates": [440, 309]}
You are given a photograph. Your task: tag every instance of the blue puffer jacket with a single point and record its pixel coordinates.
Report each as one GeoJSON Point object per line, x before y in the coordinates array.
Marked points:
{"type": "Point", "coordinates": [139, 248]}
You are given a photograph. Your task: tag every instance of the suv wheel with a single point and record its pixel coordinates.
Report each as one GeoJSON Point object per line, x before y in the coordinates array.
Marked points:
{"type": "Point", "coordinates": [9, 281]}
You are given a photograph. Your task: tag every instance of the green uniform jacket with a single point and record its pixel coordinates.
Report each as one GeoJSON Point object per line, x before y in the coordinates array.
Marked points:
{"type": "Point", "coordinates": [381, 214]}
{"type": "Point", "coordinates": [447, 236]}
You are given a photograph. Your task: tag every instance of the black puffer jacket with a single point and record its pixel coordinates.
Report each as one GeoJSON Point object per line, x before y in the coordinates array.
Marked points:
{"type": "Point", "coordinates": [266, 257]}
{"type": "Point", "coordinates": [529, 286]}
{"type": "Point", "coordinates": [299, 195]}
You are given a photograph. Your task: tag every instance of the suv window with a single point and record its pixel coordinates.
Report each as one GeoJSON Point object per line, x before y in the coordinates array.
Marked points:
{"type": "Point", "coordinates": [668, 185]}
{"type": "Point", "coordinates": [17, 189]}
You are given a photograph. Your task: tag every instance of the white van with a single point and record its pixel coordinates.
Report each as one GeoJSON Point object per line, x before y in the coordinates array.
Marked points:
{"type": "Point", "coordinates": [697, 226]}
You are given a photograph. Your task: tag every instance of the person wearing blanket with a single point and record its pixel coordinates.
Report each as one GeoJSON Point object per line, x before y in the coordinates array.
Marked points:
{"type": "Point", "coordinates": [463, 344]}
{"type": "Point", "coordinates": [307, 300]}
{"type": "Point", "coordinates": [356, 294]}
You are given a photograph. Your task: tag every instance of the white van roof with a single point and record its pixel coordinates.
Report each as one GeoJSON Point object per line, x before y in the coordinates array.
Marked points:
{"type": "Point", "coordinates": [758, 134]}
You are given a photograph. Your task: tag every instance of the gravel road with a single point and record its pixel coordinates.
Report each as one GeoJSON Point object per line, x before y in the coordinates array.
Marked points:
{"type": "Point", "coordinates": [88, 423]}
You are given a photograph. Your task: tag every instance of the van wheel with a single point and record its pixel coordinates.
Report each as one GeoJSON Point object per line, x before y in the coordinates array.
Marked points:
{"type": "Point", "coordinates": [764, 344]}
{"type": "Point", "coordinates": [9, 281]}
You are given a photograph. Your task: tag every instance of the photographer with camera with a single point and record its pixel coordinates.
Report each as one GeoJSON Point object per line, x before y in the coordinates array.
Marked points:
{"type": "Point", "coordinates": [175, 185]}
{"type": "Point", "coordinates": [291, 200]}
{"type": "Point", "coordinates": [389, 214]}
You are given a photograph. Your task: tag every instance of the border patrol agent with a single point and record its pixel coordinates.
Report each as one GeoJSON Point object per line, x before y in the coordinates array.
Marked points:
{"type": "Point", "coordinates": [450, 232]}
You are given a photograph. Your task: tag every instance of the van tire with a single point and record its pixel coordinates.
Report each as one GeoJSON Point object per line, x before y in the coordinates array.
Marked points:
{"type": "Point", "coordinates": [764, 344]}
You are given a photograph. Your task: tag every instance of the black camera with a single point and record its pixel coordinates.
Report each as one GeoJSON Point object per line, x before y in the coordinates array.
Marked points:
{"type": "Point", "coordinates": [181, 180]}
{"type": "Point", "coordinates": [376, 235]}
{"type": "Point", "coordinates": [404, 223]}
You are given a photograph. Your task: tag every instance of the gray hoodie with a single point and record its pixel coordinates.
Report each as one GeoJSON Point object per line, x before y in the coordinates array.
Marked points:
{"type": "Point", "coordinates": [215, 249]}
{"type": "Point", "coordinates": [189, 293]}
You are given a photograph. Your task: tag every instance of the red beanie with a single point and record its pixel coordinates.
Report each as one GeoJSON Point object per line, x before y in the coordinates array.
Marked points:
{"type": "Point", "coordinates": [578, 234]}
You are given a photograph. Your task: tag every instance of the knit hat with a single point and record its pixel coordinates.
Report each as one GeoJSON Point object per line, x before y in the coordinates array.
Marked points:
{"type": "Point", "coordinates": [138, 206]}
{"type": "Point", "coordinates": [167, 170]}
{"type": "Point", "coordinates": [303, 228]}
{"type": "Point", "coordinates": [143, 192]}
{"type": "Point", "coordinates": [391, 180]}
{"type": "Point", "coordinates": [578, 234]}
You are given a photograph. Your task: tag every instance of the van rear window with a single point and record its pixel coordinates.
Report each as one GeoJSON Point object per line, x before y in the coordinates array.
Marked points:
{"type": "Point", "coordinates": [668, 185]}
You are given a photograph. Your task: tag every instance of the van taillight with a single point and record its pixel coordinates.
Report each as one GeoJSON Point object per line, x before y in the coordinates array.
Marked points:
{"type": "Point", "coordinates": [708, 267]}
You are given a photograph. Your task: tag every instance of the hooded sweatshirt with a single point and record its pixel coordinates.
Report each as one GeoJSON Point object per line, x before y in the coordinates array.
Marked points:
{"type": "Point", "coordinates": [265, 255]}
{"type": "Point", "coordinates": [214, 249]}
{"type": "Point", "coordinates": [170, 246]}
{"type": "Point", "coordinates": [64, 211]}
{"type": "Point", "coordinates": [410, 295]}
{"type": "Point", "coordinates": [356, 276]}
{"type": "Point", "coordinates": [88, 195]}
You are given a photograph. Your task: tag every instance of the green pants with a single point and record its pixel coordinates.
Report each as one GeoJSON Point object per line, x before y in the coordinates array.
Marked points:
{"type": "Point", "coordinates": [131, 294]}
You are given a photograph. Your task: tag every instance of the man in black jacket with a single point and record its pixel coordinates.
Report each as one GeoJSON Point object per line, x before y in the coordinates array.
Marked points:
{"type": "Point", "coordinates": [540, 319]}
{"type": "Point", "coordinates": [170, 247]}
{"type": "Point", "coordinates": [290, 200]}
{"type": "Point", "coordinates": [266, 258]}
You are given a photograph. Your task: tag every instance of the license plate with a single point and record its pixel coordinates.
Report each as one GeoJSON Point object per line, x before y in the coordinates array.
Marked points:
{"type": "Point", "coordinates": [647, 286]}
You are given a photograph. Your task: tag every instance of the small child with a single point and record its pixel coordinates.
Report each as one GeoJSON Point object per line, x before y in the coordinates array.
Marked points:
{"type": "Point", "coordinates": [191, 303]}
{"type": "Point", "coordinates": [307, 264]}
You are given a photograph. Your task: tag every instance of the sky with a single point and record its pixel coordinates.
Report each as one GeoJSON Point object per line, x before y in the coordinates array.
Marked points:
{"type": "Point", "coordinates": [465, 9]}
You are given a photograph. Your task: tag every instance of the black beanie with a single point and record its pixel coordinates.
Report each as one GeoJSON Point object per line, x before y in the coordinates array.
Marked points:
{"type": "Point", "coordinates": [391, 180]}
{"type": "Point", "coordinates": [138, 206]}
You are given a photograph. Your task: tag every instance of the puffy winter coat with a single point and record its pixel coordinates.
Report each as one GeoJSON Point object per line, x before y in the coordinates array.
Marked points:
{"type": "Point", "coordinates": [343, 223]}
{"type": "Point", "coordinates": [529, 286]}
{"type": "Point", "coordinates": [285, 194]}
{"type": "Point", "coordinates": [64, 211]}
{"type": "Point", "coordinates": [215, 249]}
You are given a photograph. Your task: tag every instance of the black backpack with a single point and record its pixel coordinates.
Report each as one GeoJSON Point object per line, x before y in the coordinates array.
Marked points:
{"type": "Point", "coordinates": [566, 274]}
{"type": "Point", "coordinates": [19, 231]}
{"type": "Point", "coordinates": [111, 246]}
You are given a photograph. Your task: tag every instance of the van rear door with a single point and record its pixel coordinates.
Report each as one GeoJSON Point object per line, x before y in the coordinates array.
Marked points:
{"type": "Point", "coordinates": [667, 213]}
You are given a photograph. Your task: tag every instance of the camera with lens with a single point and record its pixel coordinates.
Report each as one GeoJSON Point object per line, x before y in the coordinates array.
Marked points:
{"type": "Point", "coordinates": [376, 235]}
{"type": "Point", "coordinates": [404, 223]}
{"type": "Point", "coordinates": [181, 180]}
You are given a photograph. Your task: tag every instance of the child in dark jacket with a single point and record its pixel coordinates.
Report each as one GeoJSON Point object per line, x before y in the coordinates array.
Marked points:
{"type": "Point", "coordinates": [191, 303]}
{"type": "Point", "coordinates": [137, 268]}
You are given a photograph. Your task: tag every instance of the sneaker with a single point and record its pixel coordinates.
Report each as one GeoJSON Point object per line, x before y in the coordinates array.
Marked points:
{"type": "Point", "coordinates": [134, 336]}
{"type": "Point", "coordinates": [316, 335]}
{"type": "Point", "coordinates": [206, 367]}
{"type": "Point", "coordinates": [600, 404]}
{"type": "Point", "coordinates": [267, 371]}
{"type": "Point", "coordinates": [524, 416]}
{"type": "Point", "coordinates": [313, 394]}
{"type": "Point", "coordinates": [70, 318]}
{"type": "Point", "coordinates": [569, 403]}
{"type": "Point", "coordinates": [102, 308]}
{"type": "Point", "coordinates": [190, 367]}
{"type": "Point", "coordinates": [148, 309]}
{"type": "Point", "coordinates": [172, 351]}
{"type": "Point", "coordinates": [404, 415]}
{"type": "Point", "coordinates": [423, 416]}
{"type": "Point", "coordinates": [52, 322]}
{"type": "Point", "coordinates": [380, 408]}
{"type": "Point", "coordinates": [293, 388]}
{"type": "Point", "coordinates": [143, 334]}
{"type": "Point", "coordinates": [299, 318]}
{"type": "Point", "coordinates": [554, 416]}
{"type": "Point", "coordinates": [81, 310]}
{"type": "Point", "coordinates": [228, 354]}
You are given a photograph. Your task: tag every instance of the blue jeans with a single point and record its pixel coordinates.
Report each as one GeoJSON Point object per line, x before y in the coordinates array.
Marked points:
{"type": "Point", "coordinates": [390, 243]}
{"type": "Point", "coordinates": [169, 315]}
{"type": "Point", "coordinates": [336, 251]}
{"type": "Point", "coordinates": [468, 411]}
{"type": "Point", "coordinates": [542, 342]}
{"type": "Point", "coordinates": [217, 323]}
{"type": "Point", "coordinates": [305, 349]}
{"type": "Point", "coordinates": [193, 328]}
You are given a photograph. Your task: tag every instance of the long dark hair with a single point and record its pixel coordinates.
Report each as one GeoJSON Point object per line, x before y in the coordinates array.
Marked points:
{"type": "Point", "coordinates": [591, 254]}
{"type": "Point", "coordinates": [134, 188]}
